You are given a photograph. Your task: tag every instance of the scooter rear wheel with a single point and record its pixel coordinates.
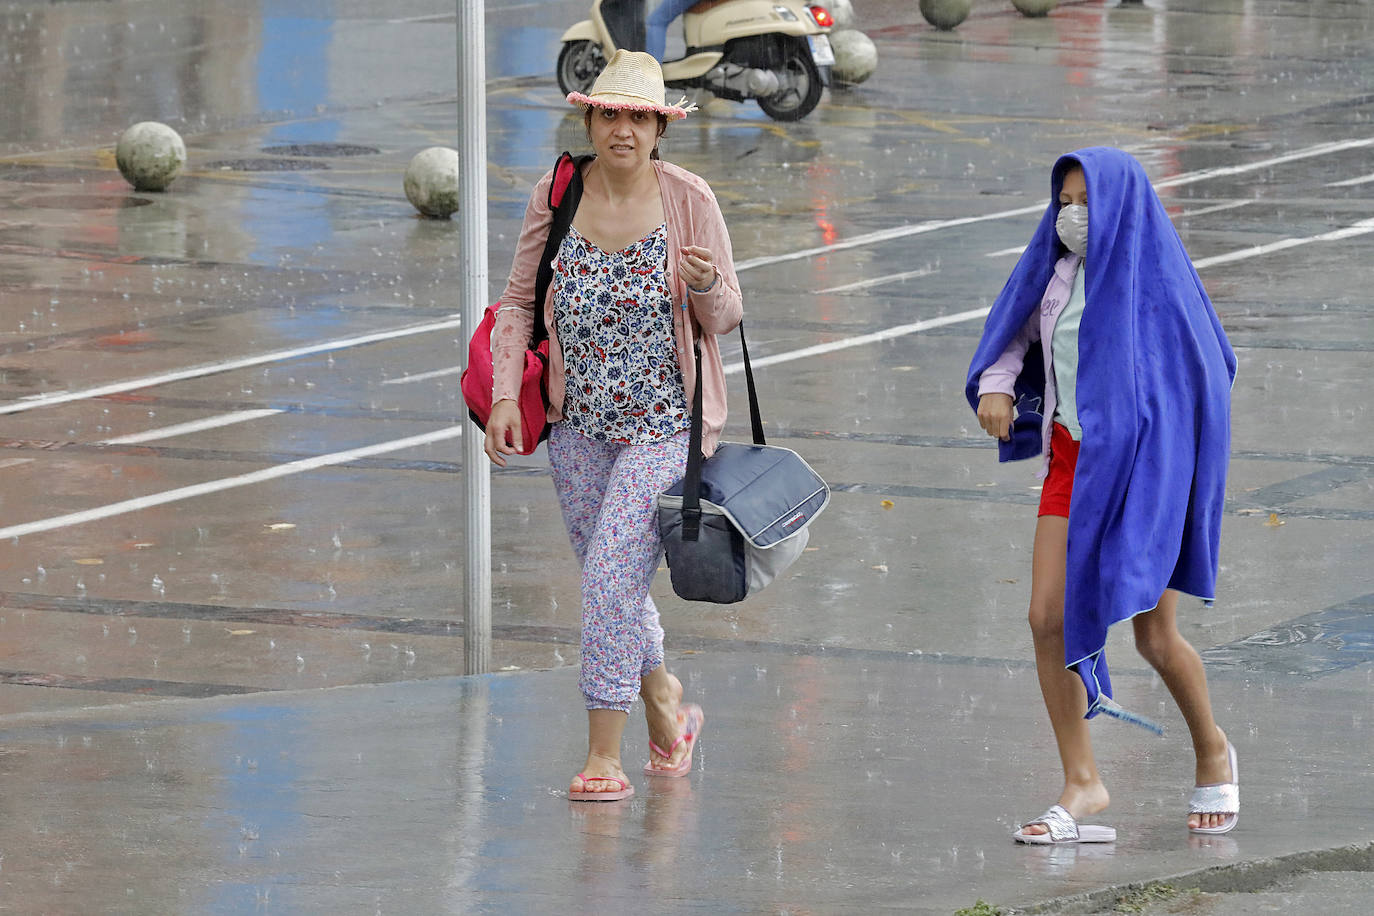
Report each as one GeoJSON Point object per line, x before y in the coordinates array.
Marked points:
{"type": "Point", "coordinates": [803, 92]}
{"type": "Point", "coordinates": [579, 64]}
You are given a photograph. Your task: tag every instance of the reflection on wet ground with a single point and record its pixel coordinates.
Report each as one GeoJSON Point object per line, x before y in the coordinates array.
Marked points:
{"type": "Point", "coordinates": [1314, 644]}
{"type": "Point", "coordinates": [229, 459]}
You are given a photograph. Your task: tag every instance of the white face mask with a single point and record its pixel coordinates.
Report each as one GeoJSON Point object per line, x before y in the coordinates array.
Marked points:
{"type": "Point", "coordinates": [1072, 226]}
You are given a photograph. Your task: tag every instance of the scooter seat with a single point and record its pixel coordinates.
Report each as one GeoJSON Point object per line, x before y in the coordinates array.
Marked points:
{"type": "Point", "coordinates": [704, 6]}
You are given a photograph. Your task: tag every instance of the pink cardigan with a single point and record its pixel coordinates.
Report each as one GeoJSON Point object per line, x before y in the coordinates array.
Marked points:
{"type": "Point", "coordinates": [693, 218]}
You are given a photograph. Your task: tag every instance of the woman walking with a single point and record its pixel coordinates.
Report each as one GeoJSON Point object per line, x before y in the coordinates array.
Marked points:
{"type": "Point", "coordinates": [643, 278]}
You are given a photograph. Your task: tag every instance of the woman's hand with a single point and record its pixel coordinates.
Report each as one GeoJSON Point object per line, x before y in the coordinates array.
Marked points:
{"type": "Point", "coordinates": [697, 267]}
{"type": "Point", "coordinates": [503, 428]}
{"type": "Point", "coordinates": [994, 415]}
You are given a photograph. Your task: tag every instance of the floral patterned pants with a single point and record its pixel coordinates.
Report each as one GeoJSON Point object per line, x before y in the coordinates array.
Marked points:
{"type": "Point", "coordinates": [609, 495]}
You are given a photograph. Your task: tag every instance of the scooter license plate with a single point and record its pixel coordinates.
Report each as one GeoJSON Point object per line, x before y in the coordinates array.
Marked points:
{"type": "Point", "coordinates": [821, 52]}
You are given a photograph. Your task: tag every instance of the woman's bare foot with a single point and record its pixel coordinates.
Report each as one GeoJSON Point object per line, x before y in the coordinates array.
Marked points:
{"type": "Point", "coordinates": [1079, 801]}
{"type": "Point", "coordinates": [1213, 768]}
{"type": "Point", "coordinates": [663, 716]}
{"type": "Point", "coordinates": [601, 774]}
{"type": "Point", "coordinates": [674, 758]}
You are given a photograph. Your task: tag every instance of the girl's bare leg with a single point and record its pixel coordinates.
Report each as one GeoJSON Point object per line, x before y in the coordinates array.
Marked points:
{"type": "Point", "coordinates": [1161, 644]}
{"type": "Point", "coordinates": [1065, 698]}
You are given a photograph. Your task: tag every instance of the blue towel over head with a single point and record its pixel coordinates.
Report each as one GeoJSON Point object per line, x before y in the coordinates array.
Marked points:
{"type": "Point", "coordinates": [1154, 391]}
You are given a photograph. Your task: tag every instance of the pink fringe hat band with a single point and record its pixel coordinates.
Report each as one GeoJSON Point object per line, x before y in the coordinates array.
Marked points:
{"type": "Point", "coordinates": [671, 112]}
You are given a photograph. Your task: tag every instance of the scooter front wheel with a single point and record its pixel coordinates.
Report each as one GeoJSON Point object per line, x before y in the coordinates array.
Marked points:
{"type": "Point", "coordinates": [579, 64]}
{"type": "Point", "coordinates": [801, 86]}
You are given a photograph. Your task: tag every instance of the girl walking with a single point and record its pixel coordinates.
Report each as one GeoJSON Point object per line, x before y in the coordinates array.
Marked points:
{"type": "Point", "coordinates": [1103, 353]}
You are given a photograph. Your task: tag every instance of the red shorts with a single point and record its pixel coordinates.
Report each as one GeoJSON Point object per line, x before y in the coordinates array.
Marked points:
{"type": "Point", "coordinates": [1054, 495]}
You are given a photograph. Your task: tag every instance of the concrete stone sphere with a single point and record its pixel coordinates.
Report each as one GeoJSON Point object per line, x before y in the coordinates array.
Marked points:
{"type": "Point", "coordinates": [150, 155]}
{"type": "Point", "coordinates": [856, 57]}
{"type": "Point", "coordinates": [843, 13]}
{"type": "Point", "coordinates": [431, 182]}
{"type": "Point", "coordinates": [945, 14]}
{"type": "Point", "coordinates": [1034, 8]}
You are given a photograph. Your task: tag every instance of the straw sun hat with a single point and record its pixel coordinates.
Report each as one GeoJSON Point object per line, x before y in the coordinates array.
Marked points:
{"type": "Point", "coordinates": [632, 79]}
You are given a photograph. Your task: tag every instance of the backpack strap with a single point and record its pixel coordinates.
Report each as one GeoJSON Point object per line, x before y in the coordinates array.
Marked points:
{"type": "Point", "coordinates": [565, 192]}
{"type": "Point", "coordinates": [563, 171]}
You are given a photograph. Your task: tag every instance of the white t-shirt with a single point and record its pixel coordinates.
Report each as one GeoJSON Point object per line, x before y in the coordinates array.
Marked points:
{"type": "Point", "coordinates": [1064, 357]}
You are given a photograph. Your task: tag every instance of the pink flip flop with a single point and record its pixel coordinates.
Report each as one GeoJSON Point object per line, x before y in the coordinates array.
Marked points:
{"type": "Point", "coordinates": [693, 720]}
{"type": "Point", "coordinates": [625, 790]}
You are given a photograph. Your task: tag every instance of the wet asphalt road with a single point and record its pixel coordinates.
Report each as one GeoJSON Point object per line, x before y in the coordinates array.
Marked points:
{"type": "Point", "coordinates": [284, 298]}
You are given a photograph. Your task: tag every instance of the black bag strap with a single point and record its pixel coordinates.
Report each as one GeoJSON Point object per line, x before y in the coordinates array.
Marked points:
{"type": "Point", "coordinates": [564, 195]}
{"type": "Point", "coordinates": [755, 421]}
{"type": "Point", "coordinates": [691, 481]}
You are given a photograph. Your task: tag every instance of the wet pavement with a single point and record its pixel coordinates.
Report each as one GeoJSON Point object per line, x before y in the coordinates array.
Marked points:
{"type": "Point", "coordinates": [231, 548]}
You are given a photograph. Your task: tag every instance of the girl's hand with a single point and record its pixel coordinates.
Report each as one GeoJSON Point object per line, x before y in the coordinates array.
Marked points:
{"type": "Point", "coordinates": [503, 428]}
{"type": "Point", "coordinates": [697, 267]}
{"type": "Point", "coordinates": [994, 415]}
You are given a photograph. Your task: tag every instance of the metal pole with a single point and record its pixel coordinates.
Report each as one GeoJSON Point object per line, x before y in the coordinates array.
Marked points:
{"type": "Point", "coordinates": [472, 294]}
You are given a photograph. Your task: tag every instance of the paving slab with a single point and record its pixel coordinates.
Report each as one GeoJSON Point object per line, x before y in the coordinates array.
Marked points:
{"type": "Point", "coordinates": [824, 782]}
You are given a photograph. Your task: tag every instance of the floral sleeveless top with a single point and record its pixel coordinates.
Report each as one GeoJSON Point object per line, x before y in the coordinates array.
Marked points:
{"type": "Point", "coordinates": [614, 314]}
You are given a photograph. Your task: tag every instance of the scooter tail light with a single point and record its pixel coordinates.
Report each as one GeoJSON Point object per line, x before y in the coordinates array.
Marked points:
{"type": "Point", "coordinates": [822, 16]}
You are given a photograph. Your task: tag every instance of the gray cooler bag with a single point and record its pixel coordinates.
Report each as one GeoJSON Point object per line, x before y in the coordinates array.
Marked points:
{"type": "Point", "coordinates": [748, 519]}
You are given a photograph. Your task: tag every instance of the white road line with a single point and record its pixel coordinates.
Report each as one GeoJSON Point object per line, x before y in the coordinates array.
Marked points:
{"type": "Point", "coordinates": [875, 337]}
{"type": "Point", "coordinates": [423, 376]}
{"type": "Point", "coordinates": [1016, 250]}
{"type": "Point", "coordinates": [1363, 227]}
{"type": "Point", "coordinates": [897, 232]}
{"type": "Point", "coordinates": [195, 426]}
{"type": "Point", "coordinates": [878, 281]}
{"type": "Point", "coordinates": [1005, 251]}
{"type": "Point", "coordinates": [1351, 182]}
{"type": "Point", "coordinates": [228, 483]}
{"type": "Point", "coordinates": [1231, 205]}
{"type": "Point", "coordinates": [432, 17]}
{"type": "Point", "coordinates": [884, 235]}
{"type": "Point", "coordinates": [48, 400]}
{"type": "Point", "coordinates": [1217, 208]}
{"type": "Point", "coordinates": [1321, 149]}
{"type": "Point", "coordinates": [296, 467]}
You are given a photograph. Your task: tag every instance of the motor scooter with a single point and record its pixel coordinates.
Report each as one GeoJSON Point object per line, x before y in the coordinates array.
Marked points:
{"type": "Point", "coordinates": [776, 52]}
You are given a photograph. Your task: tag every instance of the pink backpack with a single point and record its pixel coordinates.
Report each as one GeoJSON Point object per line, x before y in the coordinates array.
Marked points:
{"type": "Point", "coordinates": [564, 194]}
